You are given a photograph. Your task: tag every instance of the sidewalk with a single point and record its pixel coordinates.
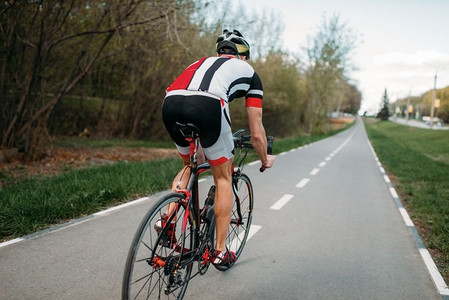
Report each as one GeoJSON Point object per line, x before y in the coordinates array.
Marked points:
{"type": "Point", "coordinates": [415, 123]}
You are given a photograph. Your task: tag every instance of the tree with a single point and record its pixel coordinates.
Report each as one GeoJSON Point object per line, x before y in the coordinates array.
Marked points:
{"type": "Point", "coordinates": [50, 46]}
{"type": "Point", "coordinates": [384, 113]}
{"type": "Point", "coordinates": [328, 61]}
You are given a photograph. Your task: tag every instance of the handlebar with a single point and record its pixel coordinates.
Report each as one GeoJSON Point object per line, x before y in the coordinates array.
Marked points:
{"type": "Point", "coordinates": [243, 141]}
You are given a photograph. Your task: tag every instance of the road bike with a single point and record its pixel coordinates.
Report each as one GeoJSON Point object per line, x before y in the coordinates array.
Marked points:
{"type": "Point", "coordinates": [175, 240]}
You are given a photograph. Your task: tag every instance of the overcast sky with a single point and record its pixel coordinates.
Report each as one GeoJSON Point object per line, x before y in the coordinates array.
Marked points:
{"type": "Point", "coordinates": [403, 43]}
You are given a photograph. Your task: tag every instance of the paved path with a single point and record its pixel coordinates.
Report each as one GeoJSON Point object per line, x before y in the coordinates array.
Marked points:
{"type": "Point", "coordinates": [330, 228]}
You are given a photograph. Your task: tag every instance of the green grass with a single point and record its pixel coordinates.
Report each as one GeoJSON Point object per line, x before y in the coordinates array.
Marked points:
{"type": "Point", "coordinates": [297, 141]}
{"type": "Point", "coordinates": [32, 204]}
{"type": "Point", "coordinates": [75, 142]}
{"type": "Point", "coordinates": [419, 160]}
{"type": "Point", "coordinates": [36, 203]}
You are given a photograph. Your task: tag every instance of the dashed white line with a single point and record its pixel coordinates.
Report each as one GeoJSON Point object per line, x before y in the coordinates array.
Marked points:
{"type": "Point", "coordinates": [433, 269]}
{"type": "Point", "coordinates": [302, 183]}
{"type": "Point", "coordinates": [406, 217]}
{"type": "Point", "coordinates": [314, 171]}
{"type": "Point", "coordinates": [252, 231]}
{"type": "Point", "coordinates": [322, 164]}
{"type": "Point", "coordinates": [393, 192]}
{"type": "Point", "coordinates": [281, 202]}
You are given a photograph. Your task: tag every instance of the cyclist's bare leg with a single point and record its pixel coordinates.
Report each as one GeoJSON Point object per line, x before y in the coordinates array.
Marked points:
{"type": "Point", "coordinates": [182, 178]}
{"type": "Point", "coordinates": [223, 201]}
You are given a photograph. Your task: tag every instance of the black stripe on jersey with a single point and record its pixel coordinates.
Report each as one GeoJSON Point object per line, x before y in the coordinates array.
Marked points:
{"type": "Point", "coordinates": [254, 96]}
{"type": "Point", "coordinates": [238, 93]}
{"type": "Point", "coordinates": [207, 78]}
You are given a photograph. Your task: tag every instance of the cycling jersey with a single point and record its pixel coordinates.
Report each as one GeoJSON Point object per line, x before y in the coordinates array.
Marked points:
{"type": "Point", "coordinates": [200, 95]}
{"type": "Point", "coordinates": [227, 78]}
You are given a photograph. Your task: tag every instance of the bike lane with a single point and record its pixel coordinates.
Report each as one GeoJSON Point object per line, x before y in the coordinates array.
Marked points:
{"type": "Point", "coordinates": [327, 227]}
{"type": "Point", "coordinates": [330, 228]}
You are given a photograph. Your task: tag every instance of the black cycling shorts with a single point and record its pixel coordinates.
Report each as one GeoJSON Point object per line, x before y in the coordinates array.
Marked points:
{"type": "Point", "coordinates": [209, 113]}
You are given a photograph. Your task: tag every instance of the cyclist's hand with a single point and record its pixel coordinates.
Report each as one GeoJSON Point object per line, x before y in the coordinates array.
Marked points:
{"type": "Point", "coordinates": [269, 163]}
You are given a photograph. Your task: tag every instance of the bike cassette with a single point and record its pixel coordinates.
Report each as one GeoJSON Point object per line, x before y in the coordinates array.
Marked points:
{"type": "Point", "coordinates": [170, 265]}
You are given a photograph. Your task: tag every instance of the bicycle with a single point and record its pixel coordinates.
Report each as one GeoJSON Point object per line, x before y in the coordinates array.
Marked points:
{"type": "Point", "coordinates": [169, 242]}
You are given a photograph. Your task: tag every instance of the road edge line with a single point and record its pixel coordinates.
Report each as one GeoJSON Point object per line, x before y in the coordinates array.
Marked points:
{"type": "Point", "coordinates": [435, 274]}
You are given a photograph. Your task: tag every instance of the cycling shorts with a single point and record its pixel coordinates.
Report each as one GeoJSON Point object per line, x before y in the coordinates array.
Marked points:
{"type": "Point", "coordinates": [209, 113]}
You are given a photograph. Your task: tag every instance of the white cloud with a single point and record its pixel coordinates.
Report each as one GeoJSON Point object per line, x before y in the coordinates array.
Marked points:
{"type": "Point", "coordinates": [427, 59]}
{"type": "Point", "coordinates": [401, 74]}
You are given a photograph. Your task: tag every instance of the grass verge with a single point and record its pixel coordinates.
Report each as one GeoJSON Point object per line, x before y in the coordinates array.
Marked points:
{"type": "Point", "coordinates": [418, 162]}
{"type": "Point", "coordinates": [36, 203]}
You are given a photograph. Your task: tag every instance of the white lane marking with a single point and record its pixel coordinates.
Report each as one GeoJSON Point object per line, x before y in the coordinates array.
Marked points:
{"type": "Point", "coordinates": [406, 217]}
{"type": "Point", "coordinates": [283, 153]}
{"type": "Point", "coordinates": [235, 242]}
{"type": "Point", "coordinates": [254, 162]}
{"type": "Point", "coordinates": [436, 276]}
{"type": "Point", "coordinates": [327, 158]}
{"type": "Point", "coordinates": [387, 179]}
{"type": "Point", "coordinates": [322, 164]}
{"type": "Point", "coordinates": [302, 183]}
{"type": "Point", "coordinates": [427, 258]}
{"type": "Point", "coordinates": [393, 192]}
{"type": "Point", "coordinates": [11, 242]}
{"type": "Point", "coordinates": [314, 171]}
{"type": "Point", "coordinates": [281, 202]}
{"type": "Point", "coordinates": [106, 211]}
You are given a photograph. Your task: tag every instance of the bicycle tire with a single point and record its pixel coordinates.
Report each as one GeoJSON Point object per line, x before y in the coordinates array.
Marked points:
{"type": "Point", "coordinates": [153, 255]}
{"type": "Point", "coordinates": [238, 230]}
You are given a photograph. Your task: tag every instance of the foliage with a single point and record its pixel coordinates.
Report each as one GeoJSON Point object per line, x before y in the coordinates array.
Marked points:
{"type": "Point", "coordinates": [52, 45]}
{"type": "Point", "coordinates": [102, 66]}
{"type": "Point", "coordinates": [421, 104]}
{"type": "Point", "coordinates": [328, 60]}
{"type": "Point", "coordinates": [384, 113]}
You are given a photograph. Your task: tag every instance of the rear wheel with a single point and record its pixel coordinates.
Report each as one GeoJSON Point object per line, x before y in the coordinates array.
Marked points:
{"type": "Point", "coordinates": [155, 268]}
{"type": "Point", "coordinates": [241, 215]}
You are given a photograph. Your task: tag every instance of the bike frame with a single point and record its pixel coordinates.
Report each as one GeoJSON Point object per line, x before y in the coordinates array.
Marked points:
{"type": "Point", "coordinates": [191, 200]}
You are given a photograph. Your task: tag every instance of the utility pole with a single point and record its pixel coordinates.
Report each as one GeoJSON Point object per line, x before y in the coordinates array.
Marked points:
{"type": "Point", "coordinates": [407, 110]}
{"type": "Point", "coordinates": [432, 106]}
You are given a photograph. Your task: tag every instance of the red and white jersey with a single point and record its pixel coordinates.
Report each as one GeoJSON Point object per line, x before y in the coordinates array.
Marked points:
{"type": "Point", "coordinates": [225, 77]}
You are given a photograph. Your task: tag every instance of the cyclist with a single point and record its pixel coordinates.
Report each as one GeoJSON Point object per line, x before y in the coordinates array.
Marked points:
{"type": "Point", "coordinates": [200, 95]}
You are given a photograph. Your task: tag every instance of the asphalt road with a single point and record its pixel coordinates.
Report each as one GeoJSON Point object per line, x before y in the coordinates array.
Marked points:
{"type": "Point", "coordinates": [329, 228]}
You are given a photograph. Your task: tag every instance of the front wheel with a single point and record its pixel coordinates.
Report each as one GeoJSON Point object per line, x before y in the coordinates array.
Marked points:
{"type": "Point", "coordinates": [156, 266]}
{"type": "Point", "coordinates": [241, 215]}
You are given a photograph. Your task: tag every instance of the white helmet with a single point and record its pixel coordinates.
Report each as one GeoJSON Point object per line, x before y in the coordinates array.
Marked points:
{"type": "Point", "coordinates": [232, 43]}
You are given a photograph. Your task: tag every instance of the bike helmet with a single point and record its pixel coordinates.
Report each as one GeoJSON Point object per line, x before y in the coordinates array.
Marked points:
{"type": "Point", "coordinates": [232, 43]}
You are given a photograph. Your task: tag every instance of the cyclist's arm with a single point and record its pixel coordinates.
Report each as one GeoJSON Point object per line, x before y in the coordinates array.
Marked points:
{"type": "Point", "coordinates": [258, 137]}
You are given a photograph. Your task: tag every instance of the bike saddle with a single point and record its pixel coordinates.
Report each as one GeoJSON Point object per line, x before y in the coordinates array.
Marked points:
{"type": "Point", "coordinates": [187, 130]}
